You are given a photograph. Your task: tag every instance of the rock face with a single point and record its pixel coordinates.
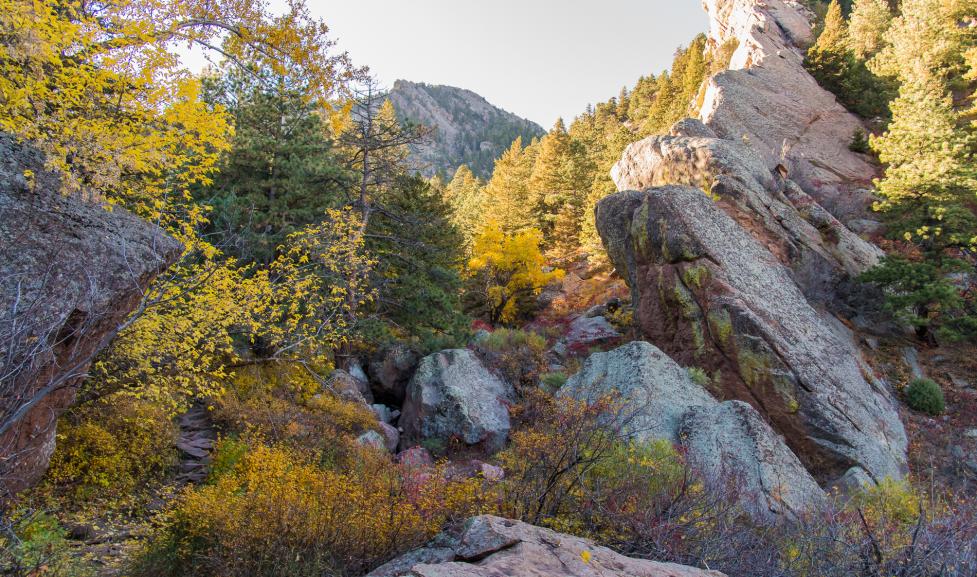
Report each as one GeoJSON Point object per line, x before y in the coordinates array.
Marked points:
{"type": "Point", "coordinates": [822, 254]}
{"type": "Point", "coordinates": [70, 273]}
{"type": "Point", "coordinates": [768, 100]}
{"type": "Point", "coordinates": [733, 443]}
{"type": "Point", "coordinates": [655, 391]}
{"type": "Point", "coordinates": [711, 295]}
{"type": "Point", "coordinates": [489, 546]}
{"type": "Point", "coordinates": [467, 129]}
{"type": "Point", "coordinates": [453, 396]}
{"type": "Point", "coordinates": [726, 442]}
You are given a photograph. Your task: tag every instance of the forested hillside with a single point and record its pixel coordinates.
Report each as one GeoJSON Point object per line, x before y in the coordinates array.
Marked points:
{"type": "Point", "coordinates": [723, 323]}
{"type": "Point", "coordinates": [465, 129]}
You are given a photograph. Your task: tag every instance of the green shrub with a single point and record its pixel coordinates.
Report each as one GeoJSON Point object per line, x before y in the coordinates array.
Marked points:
{"type": "Point", "coordinates": [553, 381]}
{"type": "Point", "coordinates": [36, 545]}
{"type": "Point", "coordinates": [859, 142]}
{"type": "Point", "coordinates": [926, 396]}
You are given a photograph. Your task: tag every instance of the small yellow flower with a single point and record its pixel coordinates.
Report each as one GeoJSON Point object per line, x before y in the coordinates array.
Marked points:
{"type": "Point", "coordinates": [585, 555]}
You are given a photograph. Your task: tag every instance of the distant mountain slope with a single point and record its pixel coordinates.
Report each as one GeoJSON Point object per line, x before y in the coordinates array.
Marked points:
{"type": "Point", "coordinates": [467, 129]}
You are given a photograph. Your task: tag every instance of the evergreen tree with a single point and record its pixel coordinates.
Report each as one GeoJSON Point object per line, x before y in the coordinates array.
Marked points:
{"type": "Point", "coordinates": [835, 66]}
{"type": "Point", "coordinates": [466, 196]}
{"type": "Point", "coordinates": [507, 198]}
{"type": "Point", "coordinates": [869, 21]}
{"type": "Point", "coordinates": [419, 253]}
{"type": "Point", "coordinates": [281, 173]}
{"type": "Point", "coordinates": [931, 175]}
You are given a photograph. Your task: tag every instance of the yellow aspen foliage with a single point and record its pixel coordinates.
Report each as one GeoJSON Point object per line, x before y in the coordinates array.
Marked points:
{"type": "Point", "coordinates": [182, 343]}
{"type": "Point", "coordinates": [505, 270]}
{"type": "Point", "coordinates": [100, 88]}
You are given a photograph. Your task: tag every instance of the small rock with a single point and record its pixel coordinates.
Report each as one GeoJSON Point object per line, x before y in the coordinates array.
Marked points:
{"type": "Point", "coordinates": [957, 452]}
{"type": "Point", "coordinates": [390, 370]}
{"type": "Point", "coordinates": [970, 433]}
{"type": "Point", "coordinates": [473, 469]}
{"type": "Point", "coordinates": [384, 413]}
{"type": "Point", "coordinates": [391, 437]}
{"type": "Point", "coordinates": [349, 387]}
{"type": "Point", "coordinates": [959, 382]}
{"type": "Point", "coordinates": [910, 356]}
{"type": "Point", "coordinates": [854, 480]}
{"type": "Point", "coordinates": [585, 332]}
{"type": "Point", "coordinates": [356, 370]}
{"type": "Point", "coordinates": [372, 439]}
{"type": "Point", "coordinates": [415, 457]}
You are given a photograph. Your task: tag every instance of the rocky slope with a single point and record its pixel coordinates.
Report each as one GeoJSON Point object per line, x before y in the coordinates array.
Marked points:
{"type": "Point", "coordinates": [732, 235]}
{"type": "Point", "coordinates": [70, 273]}
{"type": "Point", "coordinates": [467, 129]}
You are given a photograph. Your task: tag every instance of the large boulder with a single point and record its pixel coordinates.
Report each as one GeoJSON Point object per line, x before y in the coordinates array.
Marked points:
{"type": "Point", "coordinates": [725, 442]}
{"type": "Point", "coordinates": [822, 254]}
{"type": "Point", "coordinates": [390, 369]}
{"type": "Point", "coordinates": [70, 273]}
{"type": "Point", "coordinates": [769, 100]}
{"type": "Point", "coordinates": [740, 452]}
{"type": "Point", "coordinates": [711, 295]}
{"type": "Point", "coordinates": [452, 396]}
{"type": "Point", "coordinates": [490, 546]}
{"type": "Point", "coordinates": [653, 390]}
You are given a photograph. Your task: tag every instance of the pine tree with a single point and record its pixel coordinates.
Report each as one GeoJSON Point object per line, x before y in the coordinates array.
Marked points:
{"type": "Point", "coordinates": [869, 21]}
{"type": "Point", "coordinates": [419, 253]}
{"type": "Point", "coordinates": [281, 173]}
{"type": "Point", "coordinates": [549, 181]}
{"type": "Point", "coordinates": [931, 175]}
{"type": "Point", "coordinates": [466, 196]}
{"type": "Point", "coordinates": [507, 198]}
{"type": "Point", "coordinates": [828, 59]}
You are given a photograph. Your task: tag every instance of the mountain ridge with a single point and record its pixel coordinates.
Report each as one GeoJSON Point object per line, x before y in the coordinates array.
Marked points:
{"type": "Point", "coordinates": [467, 128]}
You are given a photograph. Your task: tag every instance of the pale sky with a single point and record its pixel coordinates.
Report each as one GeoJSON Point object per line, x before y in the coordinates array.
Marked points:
{"type": "Point", "coordinates": [540, 59]}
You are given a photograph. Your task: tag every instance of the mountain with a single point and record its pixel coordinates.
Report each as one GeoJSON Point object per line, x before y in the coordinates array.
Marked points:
{"type": "Point", "coordinates": [467, 128]}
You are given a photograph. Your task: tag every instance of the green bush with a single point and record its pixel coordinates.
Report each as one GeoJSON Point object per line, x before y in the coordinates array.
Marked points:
{"type": "Point", "coordinates": [925, 395]}
{"type": "Point", "coordinates": [553, 381]}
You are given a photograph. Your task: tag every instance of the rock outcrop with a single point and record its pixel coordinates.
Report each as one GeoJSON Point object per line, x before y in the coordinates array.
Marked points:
{"type": "Point", "coordinates": [735, 446]}
{"type": "Point", "coordinates": [453, 396]}
{"type": "Point", "coordinates": [822, 254]}
{"type": "Point", "coordinates": [711, 295]}
{"type": "Point", "coordinates": [767, 99]}
{"type": "Point", "coordinates": [654, 390]}
{"type": "Point", "coordinates": [489, 546]}
{"type": "Point", "coordinates": [70, 274]}
{"type": "Point", "coordinates": [737, 453]}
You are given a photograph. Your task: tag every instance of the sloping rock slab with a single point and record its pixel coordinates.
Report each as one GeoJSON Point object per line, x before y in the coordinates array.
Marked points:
{"type": "Point", "coordinates": [70, 273]}
{"type": "Point", "coordinates": [733, 443]}
{"type": "Point", "coordinates": [710, 295]}
{"type": "Point", "coordinates": [490, 546]}
{"type": "Point", "coordinates": [769, 100]}
{"type": "Point", "coordinates": [453, 396]}
{"type": "Point", "coordinates": [726, 443]}
{"type": "Point", "coordinates": [823, 255]}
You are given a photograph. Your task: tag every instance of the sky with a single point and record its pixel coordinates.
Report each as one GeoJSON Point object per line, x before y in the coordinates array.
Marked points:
{"type": "Point", "coordinates": [540, 59]}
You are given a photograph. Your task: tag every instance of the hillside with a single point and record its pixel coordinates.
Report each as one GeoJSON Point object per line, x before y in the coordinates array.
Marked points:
{"type": "Point", "coordinates": [467, 128]}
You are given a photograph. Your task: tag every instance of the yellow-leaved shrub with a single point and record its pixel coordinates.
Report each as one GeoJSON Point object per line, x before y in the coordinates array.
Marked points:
{"type": "Point", "coordinates": [275, 512]}
{"type": "Point", "coordinates": [111, 447]}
